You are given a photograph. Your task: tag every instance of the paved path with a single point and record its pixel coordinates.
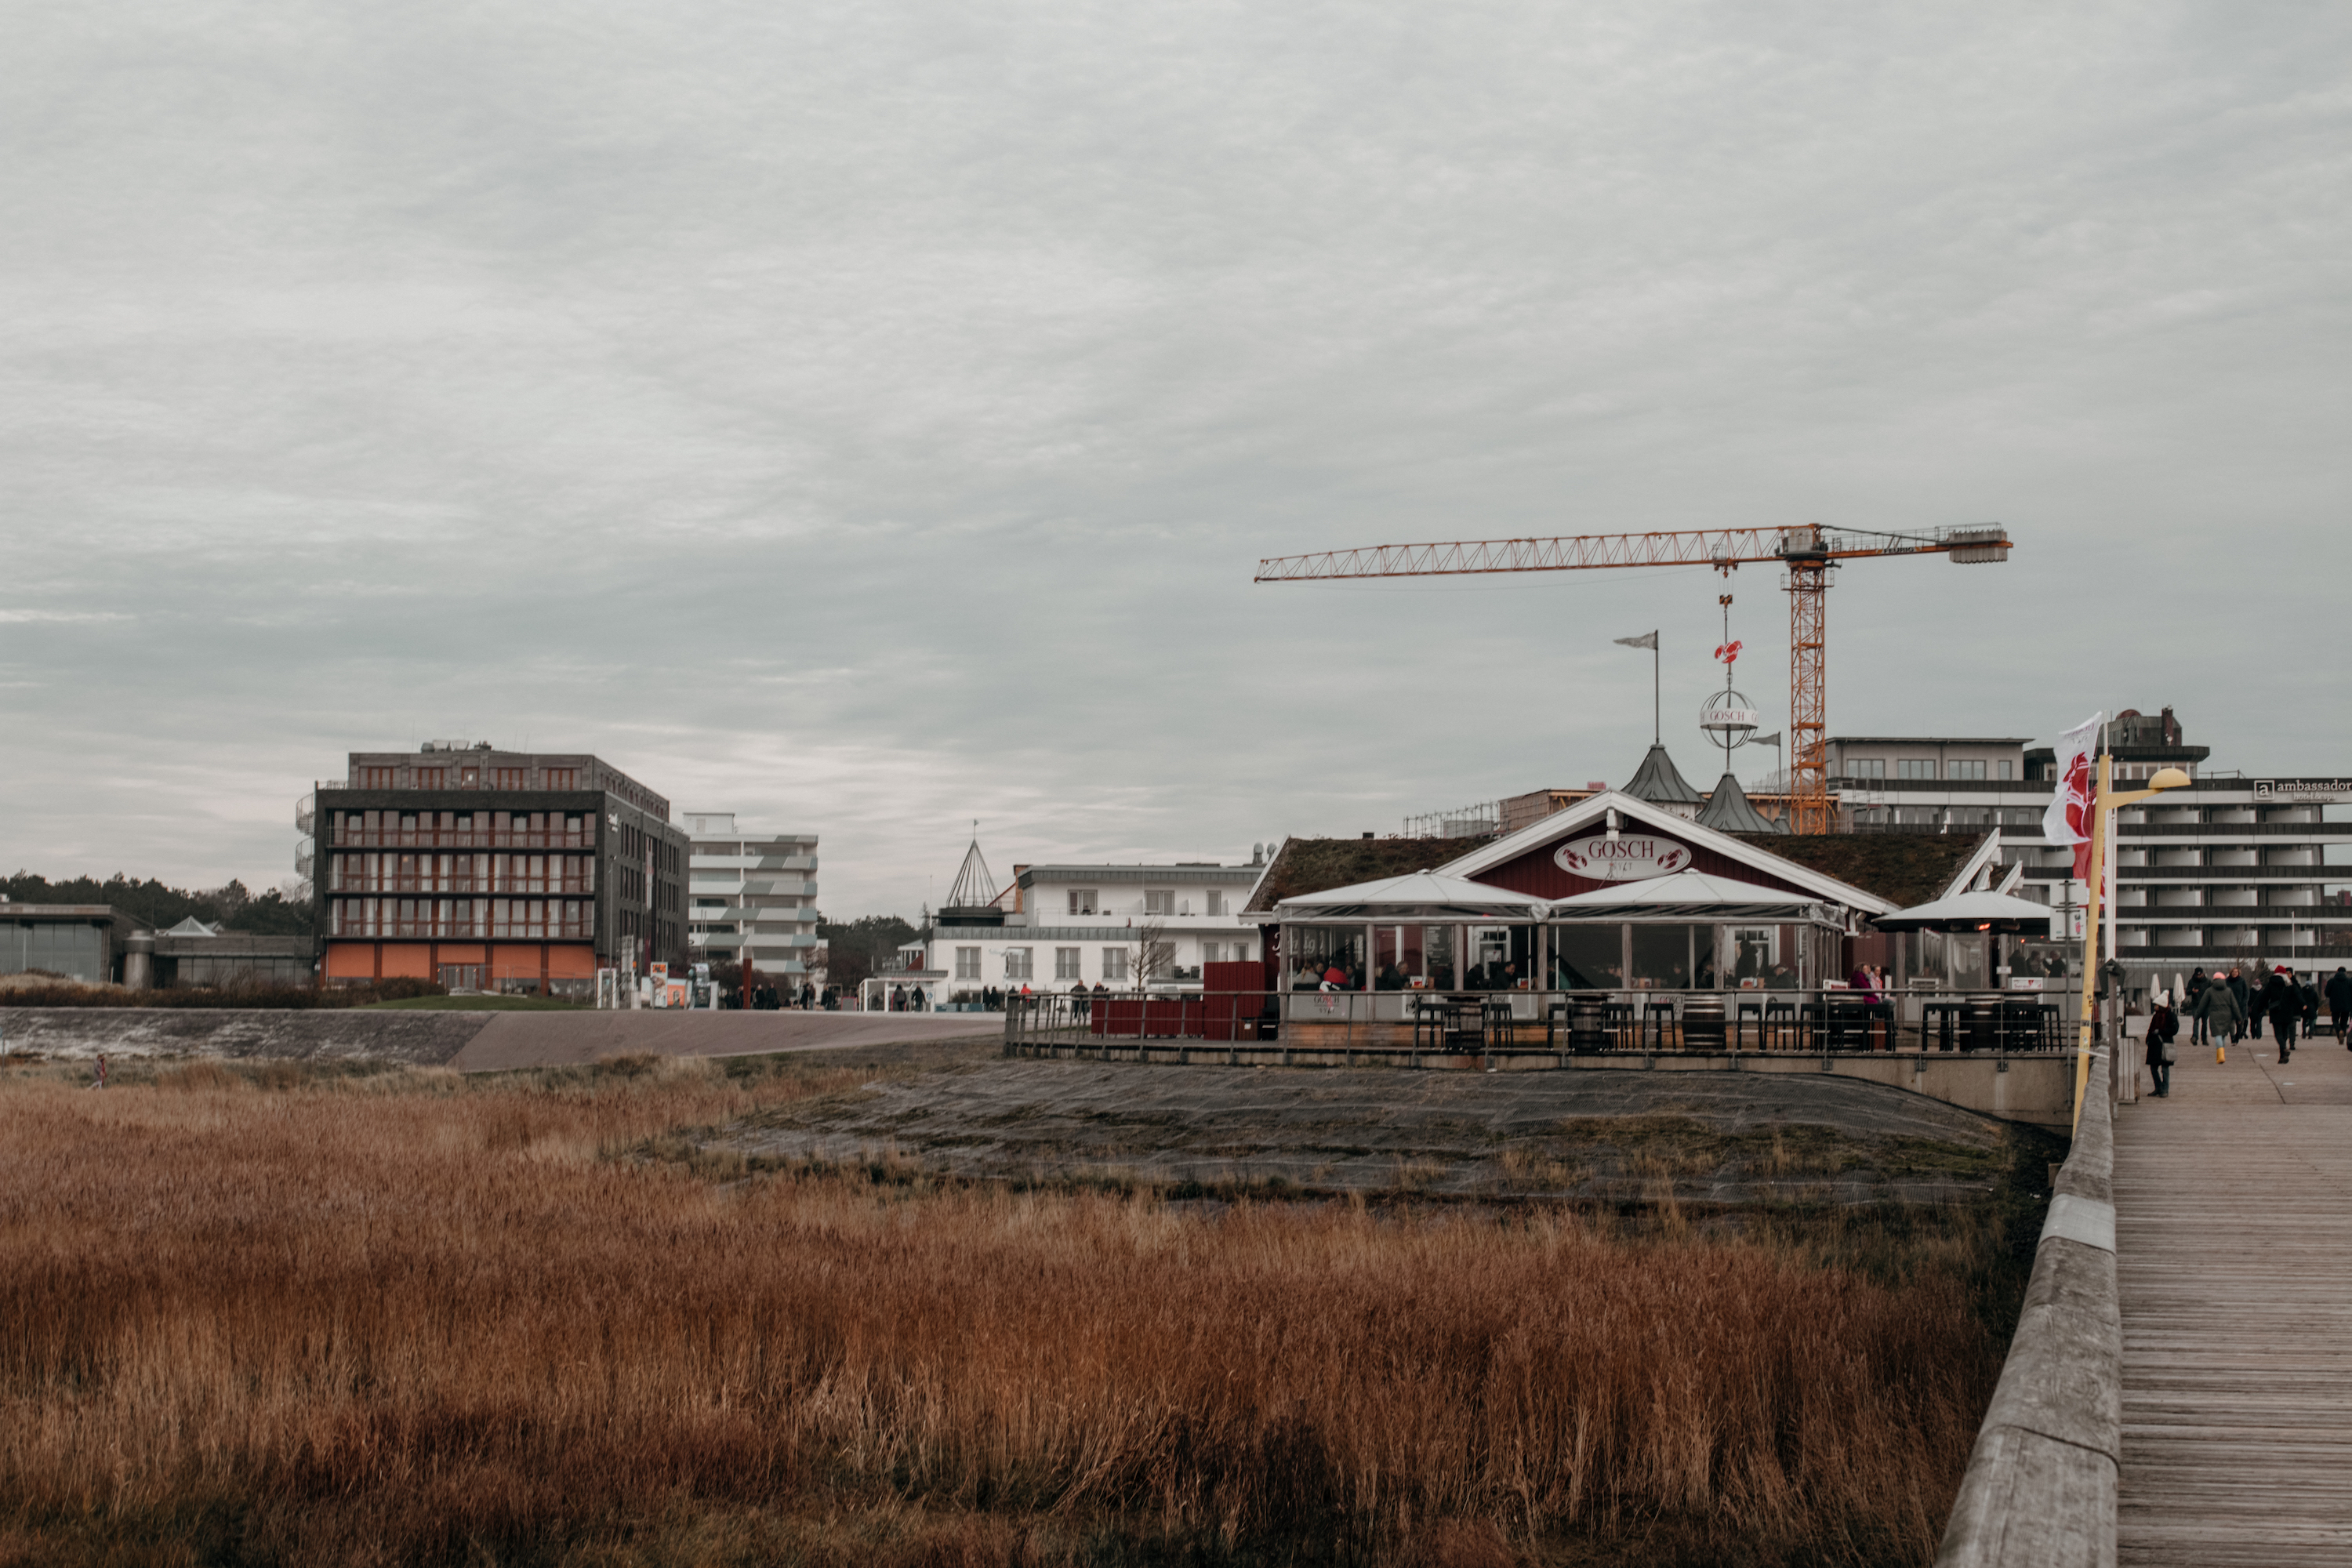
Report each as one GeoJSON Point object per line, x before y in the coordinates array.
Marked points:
{"type": "Point", "coordinates": [2233, 1246]}
{"type": "Point", "coordinates": [557, 1039]}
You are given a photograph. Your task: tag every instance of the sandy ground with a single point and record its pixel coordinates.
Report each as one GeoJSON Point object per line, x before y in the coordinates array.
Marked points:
{"type": "Point", "coordinates": [472, 1042]}
{"type": "Point", "coordinates": [1722, 1138]}
{"type": "Point", "coordinates": [555, 1039]}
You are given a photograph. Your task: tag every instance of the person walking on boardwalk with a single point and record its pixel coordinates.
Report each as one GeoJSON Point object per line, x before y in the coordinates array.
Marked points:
{"type": "Point", "coordinates": [2197, 984]}
{"type": "Point", "coordinates": [2245, 998]}
{"type": "Point", "coordinates": [2163, 1028]}
{"type": "Point", "coordinates": [2217, 1008]}
{"type": "Point", "coordinates": [2284, 1007]}
{"type": "Point", "coordinates": [2339, 1003]}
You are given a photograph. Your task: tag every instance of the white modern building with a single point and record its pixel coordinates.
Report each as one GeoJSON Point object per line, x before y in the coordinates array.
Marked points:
{"type": "Point", "coordinates": [2234, 868]}
{"type": "Point", "coordinates": [1118, 926]}
{"type": "Point", "coordinates": [752, 895]}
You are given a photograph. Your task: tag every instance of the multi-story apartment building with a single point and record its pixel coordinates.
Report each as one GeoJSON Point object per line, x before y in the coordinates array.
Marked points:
{"type": "Point", "coordinates": [1059, 926]}
{"type": "Point", "coordinates": [493, 871]}
{"type": "Point", "coordinates": [2233, 868]}
{"type": "Point", "coordinates": [752, 896]}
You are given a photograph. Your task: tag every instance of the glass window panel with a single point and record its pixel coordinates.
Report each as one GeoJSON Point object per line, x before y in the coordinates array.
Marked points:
{"type": "Point", "coordinates": [1588, 958]}
{"type": "Point", "coordinates": [1703, 957]}
{"type": "Point", "coordinates": [1333, 955]}
{"type": "Point", "coordinates": [1755, 954]}
{"type": "Point", "coordinates": [1661, 957]}
{"type": "Point", "coordinates": [1500, 957]}
{"type": "Point", "coordinates": [1438, 963]}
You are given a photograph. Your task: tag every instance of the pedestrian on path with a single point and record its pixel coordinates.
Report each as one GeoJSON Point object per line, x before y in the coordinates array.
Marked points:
{"type": "Point", "coordinates": [2197, 984]}
{"type": "Point", "coordinates": [2244, 993]}
{"type": "Point", "coordinates": [2339, 1003]}
{"type": "Point", "coordinates": [2280, 1001]}
{"type": "Point", "coordinates": [2217, 1007]}
{"type": "Point", "coordinates": [2163, 1028]}
{"type": "Point", "coordinates": [100, 1081]}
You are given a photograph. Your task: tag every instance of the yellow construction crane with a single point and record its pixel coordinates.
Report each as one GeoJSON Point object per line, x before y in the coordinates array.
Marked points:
{"type": "Point", "coordinates": [1809, 554]}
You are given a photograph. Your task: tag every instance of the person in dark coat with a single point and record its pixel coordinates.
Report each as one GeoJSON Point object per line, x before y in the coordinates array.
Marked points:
{"type": "Point", "coordinates": [2307, 995]}
{"type": "Point", "coordinates": [2245, 997]}
{"type": "Point", "coordinates": [2339, 1003]}
{"type": "Point", "coordinates": [2197, 984]}
{"type": "Point", "coordinates": [2216, 1008]}
{"type": "Point", "coordinates": [2163, 1028]}
{"type": "Point", "coordinates": [2284, 1007]}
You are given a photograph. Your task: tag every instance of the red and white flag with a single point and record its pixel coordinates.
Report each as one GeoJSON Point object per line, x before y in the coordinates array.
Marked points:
{"type": "Point", "coordinates": [2068, 818]}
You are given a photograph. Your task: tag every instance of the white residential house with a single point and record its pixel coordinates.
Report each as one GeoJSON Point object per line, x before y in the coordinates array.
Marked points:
{"type": "Point", "coordinates": [752, 895]}
{"type": "Point", "coordinates": [1057, 926]}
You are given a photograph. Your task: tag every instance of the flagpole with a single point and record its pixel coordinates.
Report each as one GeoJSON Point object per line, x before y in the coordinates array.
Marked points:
{"type": "Point", "coordinates": [1657, 712]}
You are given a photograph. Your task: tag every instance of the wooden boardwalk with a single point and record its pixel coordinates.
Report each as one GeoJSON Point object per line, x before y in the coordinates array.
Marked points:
{"type": "Point", "coordinates": [2233, 1248]}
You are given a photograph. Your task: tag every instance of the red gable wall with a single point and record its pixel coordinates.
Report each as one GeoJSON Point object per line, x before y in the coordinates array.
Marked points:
{"type": "Point", "coordinates": [1536, 873]}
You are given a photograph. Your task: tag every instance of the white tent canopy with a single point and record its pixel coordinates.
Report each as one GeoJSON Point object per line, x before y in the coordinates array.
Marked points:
{"type": "Point", "coordinates": [1970, 912]}
{"type": "Point", "coordinates": [1422, 895]}
{"type": "Point", "coordinates": [1691, 895]}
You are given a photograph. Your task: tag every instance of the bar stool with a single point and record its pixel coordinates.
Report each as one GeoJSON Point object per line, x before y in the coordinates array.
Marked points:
{"type": "Point", "coordinates": [1780, 1018]}
{"type": "Point", "coordinates": [1495, 1022]}
{"type": "Point", "coordinates": [1940, 1013]}
{"type": "Point", "coordinates": [1741, 1012]}
{"type": "Point", "coordinates": [1663, 1014]}
{"type": "Point", "coordinates": [1617, 1019]}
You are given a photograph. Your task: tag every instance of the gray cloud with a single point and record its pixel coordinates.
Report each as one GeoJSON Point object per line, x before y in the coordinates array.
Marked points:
{"type": "Point", "coordinates": [868, 419]}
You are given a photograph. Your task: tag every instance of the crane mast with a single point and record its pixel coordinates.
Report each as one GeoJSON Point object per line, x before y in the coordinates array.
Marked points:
{"type": "Point", "coordinates": [1807, 553]}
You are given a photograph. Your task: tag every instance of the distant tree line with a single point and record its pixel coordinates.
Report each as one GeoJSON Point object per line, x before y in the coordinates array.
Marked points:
{"type": "Point", "coordinates": [234, 906]}
{"type": "Point", "coordinates": [856, 949]}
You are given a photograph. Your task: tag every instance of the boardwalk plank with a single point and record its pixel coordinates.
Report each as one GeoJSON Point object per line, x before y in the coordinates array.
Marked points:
{"type": "Point", "coordinates": [2233, 1202]}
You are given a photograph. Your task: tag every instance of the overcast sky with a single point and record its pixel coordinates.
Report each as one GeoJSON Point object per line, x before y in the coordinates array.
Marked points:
{"type": "Point", "coordinates": [869, 417]}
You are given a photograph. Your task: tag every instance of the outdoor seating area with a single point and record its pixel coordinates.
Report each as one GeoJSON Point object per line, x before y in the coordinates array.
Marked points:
{"type": "Point", "coordinates": [1562, 1023]}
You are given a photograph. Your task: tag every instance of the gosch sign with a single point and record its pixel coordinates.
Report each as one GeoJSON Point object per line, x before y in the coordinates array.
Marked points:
{"type": "Point", "coordinates": [1629, 858]}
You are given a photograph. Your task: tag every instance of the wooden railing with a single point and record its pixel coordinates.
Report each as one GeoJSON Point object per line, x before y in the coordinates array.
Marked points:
{"type": "Point", "coordinates": [2041, 1487]}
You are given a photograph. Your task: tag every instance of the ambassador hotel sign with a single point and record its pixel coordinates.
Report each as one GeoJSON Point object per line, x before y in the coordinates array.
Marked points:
{"type": "Point", "coordinates": [1626, 858]}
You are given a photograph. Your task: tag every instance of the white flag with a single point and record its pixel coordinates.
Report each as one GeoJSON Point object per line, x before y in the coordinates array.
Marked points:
{"type": "Point", "coordinates": [2068, 818]}
{"type": "Point", "coordinates": [1647, 639]}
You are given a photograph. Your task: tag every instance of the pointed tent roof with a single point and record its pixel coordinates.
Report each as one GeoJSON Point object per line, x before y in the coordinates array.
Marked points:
{"type": "Point", "coordinates": [192, 926]}
{"type": "Point", "coordinates": [974, 888]}
{"type": "Point", "coordinates": [1728, 810]}
{"type": "Point", "coordinates": [1582, 818]}
{"type": "Point", "coordinates": [1659, 782]}
{"type": "Point", "coordinates": [1422, 894]}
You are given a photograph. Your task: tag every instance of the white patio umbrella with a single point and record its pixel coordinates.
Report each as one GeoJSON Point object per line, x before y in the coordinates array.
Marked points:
{"type": "Point", "coordinates": [1970, 912]}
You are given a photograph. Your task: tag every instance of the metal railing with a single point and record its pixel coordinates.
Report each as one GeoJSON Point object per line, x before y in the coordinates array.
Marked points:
{"type": "Point", "coordinates": [1583, 1023]}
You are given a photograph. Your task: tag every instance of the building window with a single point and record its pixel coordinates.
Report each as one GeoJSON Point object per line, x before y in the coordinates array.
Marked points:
{"type": "Point", "coordinates": [1866, 767]}
{"type": "Point", "coordinates": [1159, 902]}
{"type": "Point", "coordinates": [1016, 963]}
{"type": "Point", "coordinates": [1212, 902]}
{"type": "Point", "coordinates": [506, 778]}
{"type": "Point", "coordinates": [1066, 963]}
{"type": "Point", "coordinates": [564, 778]}
{"type": "Point", "coordinates": [966, 963]}
{"type": "Point", "coordinates": [430, 778]}
{"type": "Point", "coordinates": [1212, 952]}
{"type": "Point", "coordinates": [1113, 963]}
{"type": "Point", "coordinates": [1965, 770]}
{"type": "Point", "coordinates": [1083, 900]}
{"type": "Point", "coordinates": [1915, 768]}
{"type": "Point", "coordinates": [375, 778]}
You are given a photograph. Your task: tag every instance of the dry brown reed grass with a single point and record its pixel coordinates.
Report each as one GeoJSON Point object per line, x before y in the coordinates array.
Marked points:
{"type": "Point", "coordinates": [409, 1319]}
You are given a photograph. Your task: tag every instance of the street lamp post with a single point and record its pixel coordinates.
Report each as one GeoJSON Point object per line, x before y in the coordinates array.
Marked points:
{"type": "Point", "coordinates": [2101, 819]}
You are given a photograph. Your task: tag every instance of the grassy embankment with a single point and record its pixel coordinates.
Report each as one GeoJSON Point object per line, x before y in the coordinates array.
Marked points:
{"type": "Point", "coordinates": [281, 1315]}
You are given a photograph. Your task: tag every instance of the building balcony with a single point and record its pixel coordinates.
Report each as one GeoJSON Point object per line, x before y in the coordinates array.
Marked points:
{"type": "Point", "coordinates": [467, 886]}
{"type": "Point", "coordinates": [343, 837]}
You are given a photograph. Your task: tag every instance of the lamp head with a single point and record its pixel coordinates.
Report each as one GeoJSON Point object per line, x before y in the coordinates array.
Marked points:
{"type": "Point", "coordinates": [2168, 778]}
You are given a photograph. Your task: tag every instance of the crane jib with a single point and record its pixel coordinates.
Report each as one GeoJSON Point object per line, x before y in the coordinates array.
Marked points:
{"type": "Point", "coordinates": [1720, 548]}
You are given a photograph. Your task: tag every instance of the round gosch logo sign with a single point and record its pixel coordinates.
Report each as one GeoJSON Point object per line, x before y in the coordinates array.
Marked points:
{"type": "Point", "coordinates": [1627, 859]}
